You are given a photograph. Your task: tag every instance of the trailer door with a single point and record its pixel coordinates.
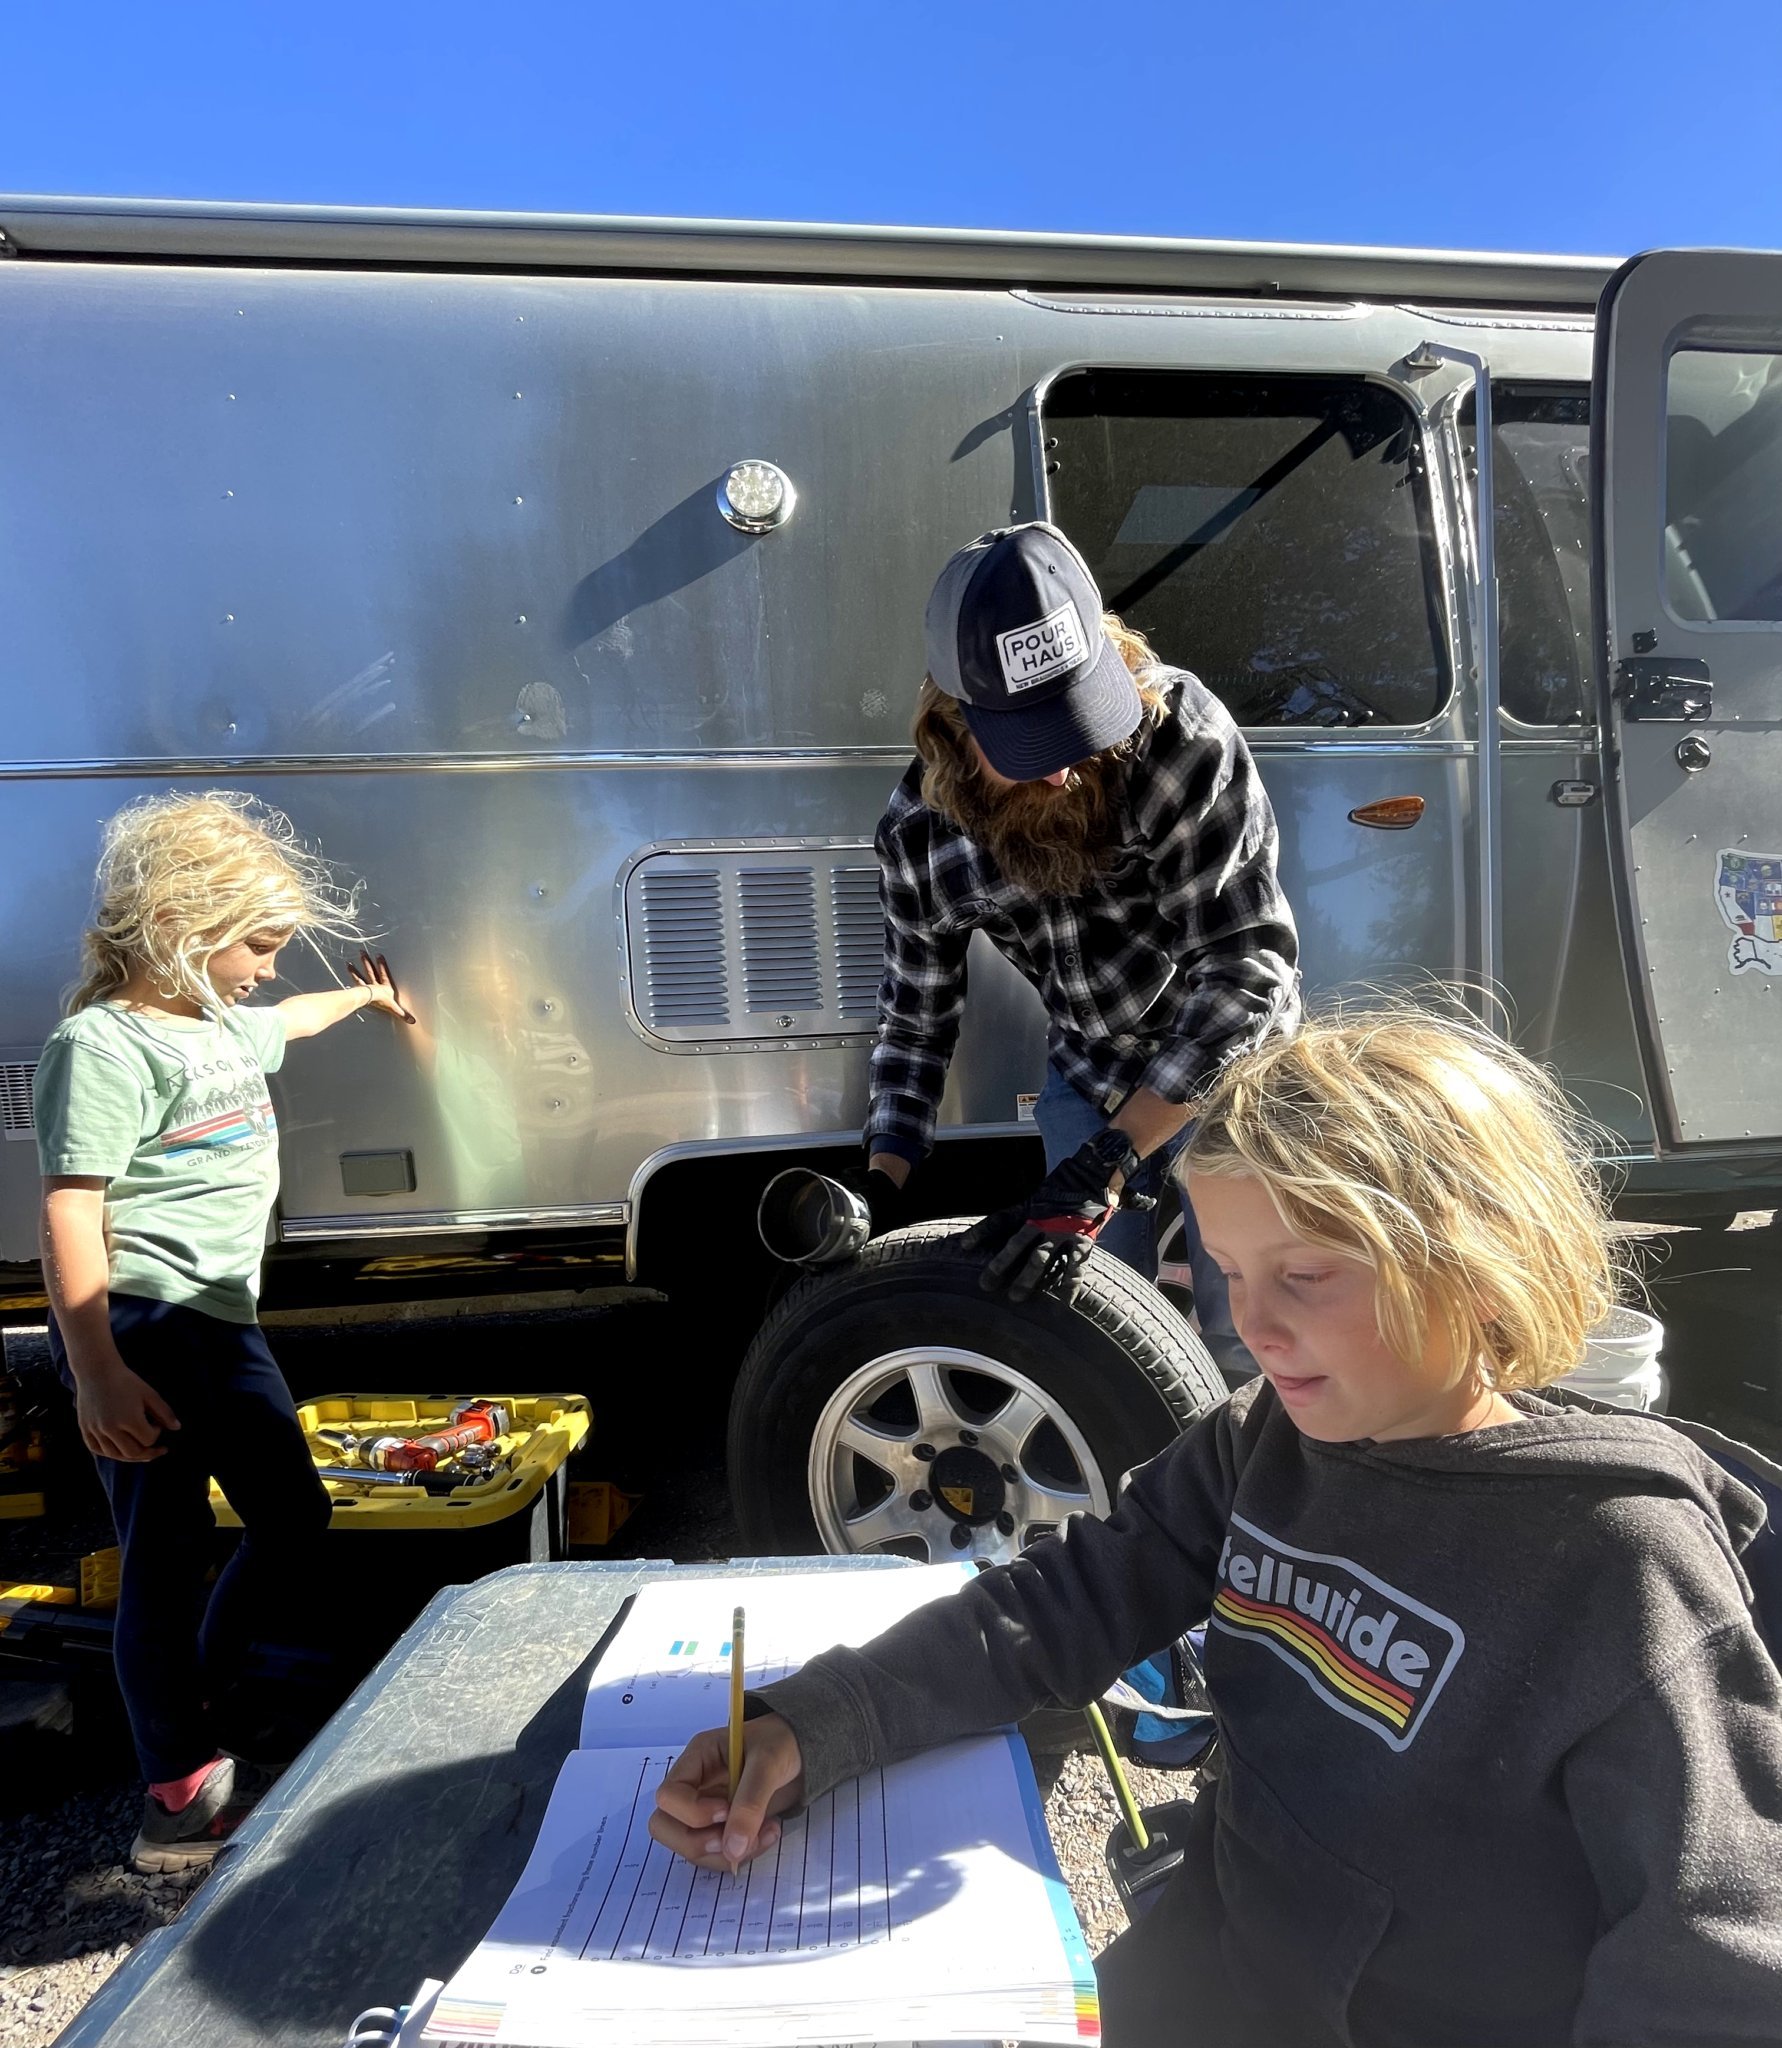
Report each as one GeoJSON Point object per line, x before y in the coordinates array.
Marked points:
{"type": "Point", "coordinates": [1687, 465]}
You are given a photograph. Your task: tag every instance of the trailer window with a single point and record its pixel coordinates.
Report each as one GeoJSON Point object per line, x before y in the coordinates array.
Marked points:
{"type": "Point", "coordinates": [1723, 485]}
{"type": "Point", "coordinates": [1270, 533]}
{"type": "Point", "coordinates": [1540, 445]}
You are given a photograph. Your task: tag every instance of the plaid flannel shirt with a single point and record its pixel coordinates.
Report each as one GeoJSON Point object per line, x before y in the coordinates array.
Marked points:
{"type": "Point", "coordinates": [1178, 958]}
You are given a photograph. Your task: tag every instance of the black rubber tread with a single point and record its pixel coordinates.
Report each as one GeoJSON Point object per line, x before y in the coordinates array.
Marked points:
{"type": "Point", "coordinates": [1126, 1311]}
{"type": "Point", "coordinates": [1115, 1300]}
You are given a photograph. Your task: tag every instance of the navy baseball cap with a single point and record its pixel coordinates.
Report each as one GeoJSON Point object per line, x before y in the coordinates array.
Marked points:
{"type": "Point", "coordinates": [1014, 634]}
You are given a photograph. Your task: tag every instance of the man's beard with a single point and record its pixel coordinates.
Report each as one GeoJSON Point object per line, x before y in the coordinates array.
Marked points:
{"type": "Point", "coordinates": [1054, 842]}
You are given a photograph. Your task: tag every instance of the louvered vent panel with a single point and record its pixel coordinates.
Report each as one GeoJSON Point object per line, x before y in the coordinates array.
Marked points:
{"type": "Point", "coordinates": [751, 945]}
{"type": "Point", "coordinates": [859, 941]}
{"type": "Point", "coordinates": [16, 1119]}
{"type": "Point", "coordinates": [683, 948]}
{"type": "Point", "coordinates": [779, 938]}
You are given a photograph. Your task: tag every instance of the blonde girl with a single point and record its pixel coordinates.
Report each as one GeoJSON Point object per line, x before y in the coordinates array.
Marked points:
{"type": "Point", "coordinates": [1503, 1747]}
{"type": "Point", "coordinates": [159, 1152]}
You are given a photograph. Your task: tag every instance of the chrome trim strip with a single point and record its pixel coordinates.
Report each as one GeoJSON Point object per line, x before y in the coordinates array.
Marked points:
{"type": "Point", "coordinates": [1198, 309]}
{"type": "Point", "coordinates": [439, 764]}
{"type": "Point", "coordinates": [1258, 738]}
{"type": "Point", "coordinates": [67, 225]}
{"type": "Point", "coordinates": [1477, 523]}
{"type": "Point", "coordinates": [447, 1222]}
{"type": "Point", "coordinates": [1546, 323]}
{"type": "Point", "coordinates": [788, 1141]}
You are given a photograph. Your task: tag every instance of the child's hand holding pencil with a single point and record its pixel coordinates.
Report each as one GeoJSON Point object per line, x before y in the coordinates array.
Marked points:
{"type": "Point", "coordinates": [698, 1815]}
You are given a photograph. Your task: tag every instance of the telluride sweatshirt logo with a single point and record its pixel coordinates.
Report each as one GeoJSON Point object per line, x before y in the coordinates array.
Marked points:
{"type": "Point", "coordinates": [1365, 1648]}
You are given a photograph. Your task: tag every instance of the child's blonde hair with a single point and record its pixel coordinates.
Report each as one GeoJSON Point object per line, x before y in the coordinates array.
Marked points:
{"type": "Point", "coordinates": [1448, 1161]}
{"type": "Point", "coordinates": [181, 876]}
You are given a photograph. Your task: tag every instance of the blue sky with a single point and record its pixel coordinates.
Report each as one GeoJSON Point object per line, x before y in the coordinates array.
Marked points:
{"type": "Point", "coordinates": [1574, 125]}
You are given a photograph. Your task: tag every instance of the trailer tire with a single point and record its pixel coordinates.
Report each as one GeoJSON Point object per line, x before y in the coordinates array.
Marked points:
{"type": "Point", "coordinates": [892, 1405]}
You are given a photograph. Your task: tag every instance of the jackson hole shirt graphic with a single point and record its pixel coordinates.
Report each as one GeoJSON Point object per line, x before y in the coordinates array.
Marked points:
{"type": "Point", "coordinates": [1364, 1647]}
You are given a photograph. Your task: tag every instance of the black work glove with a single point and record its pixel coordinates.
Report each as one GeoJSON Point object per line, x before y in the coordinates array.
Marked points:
{"type": "Point", "coordinates": [1045, 1241]}
{"type": "Point", "coordinates": [886, 1203]}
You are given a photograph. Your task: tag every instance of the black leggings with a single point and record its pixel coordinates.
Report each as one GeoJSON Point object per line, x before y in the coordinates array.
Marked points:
{"type": "Point", "coordinates": [177, 1652]}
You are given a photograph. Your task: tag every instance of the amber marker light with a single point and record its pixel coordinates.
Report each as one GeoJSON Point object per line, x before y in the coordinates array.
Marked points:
{"type": "Point", "coordinates": [1390, 814]}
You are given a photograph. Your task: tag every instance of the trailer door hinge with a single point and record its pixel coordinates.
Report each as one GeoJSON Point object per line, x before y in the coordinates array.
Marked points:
{"type": "Point", "coordinates": [1664, 687]}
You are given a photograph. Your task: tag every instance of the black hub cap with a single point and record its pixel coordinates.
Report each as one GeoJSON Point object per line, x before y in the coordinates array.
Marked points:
{"type": "Point", "coordinates": [966, 1486]}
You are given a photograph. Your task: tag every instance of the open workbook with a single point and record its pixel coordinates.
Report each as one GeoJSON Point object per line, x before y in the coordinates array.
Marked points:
{"type": "Point", "coordinates": [917, 1903]}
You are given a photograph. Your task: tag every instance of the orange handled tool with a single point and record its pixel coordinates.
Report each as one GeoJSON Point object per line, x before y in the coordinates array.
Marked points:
{"type": "Point", "coordinates": [473, 1422]}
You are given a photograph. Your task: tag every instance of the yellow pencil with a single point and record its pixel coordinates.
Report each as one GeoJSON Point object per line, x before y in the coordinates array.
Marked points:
{"type": "Point", "coordinates": [736, 1699]}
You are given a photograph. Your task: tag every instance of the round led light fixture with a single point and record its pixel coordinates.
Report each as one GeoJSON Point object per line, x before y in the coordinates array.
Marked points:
{"type": "Point", "coordinates": [756, 496]}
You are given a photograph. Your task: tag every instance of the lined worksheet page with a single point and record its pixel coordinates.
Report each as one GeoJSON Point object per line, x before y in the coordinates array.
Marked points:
{"type": "Point", "coordinates": [666, 1672]}
{"type": "Point", "coordinates": [826, 1885]}
{"type": "Point", "coordinates": [918, 1903]}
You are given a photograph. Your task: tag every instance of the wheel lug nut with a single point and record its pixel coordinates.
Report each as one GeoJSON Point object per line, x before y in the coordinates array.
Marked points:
{"type": "Point", "coordinates": [961, 1536]}
{"type": "Point", "coordinates": [968, 1436]}
{"type": "Point", "coordinates": [1006, 1523]}
{"type": "Point", "coordinates": [921, 1500]}
{"type": "Point", "coordinates": [925, 1452]}
{"type": "Point", "coordinates": [1011, 1475]}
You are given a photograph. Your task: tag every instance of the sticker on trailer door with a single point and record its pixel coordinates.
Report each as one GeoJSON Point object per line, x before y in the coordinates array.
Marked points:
{"type": "Point", "coordinates": [1748, 889]}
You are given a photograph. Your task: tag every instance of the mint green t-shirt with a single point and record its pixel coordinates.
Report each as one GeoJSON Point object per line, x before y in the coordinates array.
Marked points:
{"type": "Point", "coordinates": [174, 1113]}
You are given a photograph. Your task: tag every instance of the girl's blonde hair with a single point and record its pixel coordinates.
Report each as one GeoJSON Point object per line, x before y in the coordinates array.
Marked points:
{"type": "Point", "coordinates": [182, 876]}
{"type": "Point", "coordinates": [1447, 1160]}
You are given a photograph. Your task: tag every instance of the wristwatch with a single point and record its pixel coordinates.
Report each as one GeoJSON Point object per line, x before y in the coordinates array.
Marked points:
{"type": "Point", "coordinates": [1116, 1151]}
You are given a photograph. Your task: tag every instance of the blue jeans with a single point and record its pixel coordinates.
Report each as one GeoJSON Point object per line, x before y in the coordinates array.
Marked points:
{"type": "Point", "coordinates": [176, 1650]}
{"type": "Point", "coordinates": [1067, 1118]}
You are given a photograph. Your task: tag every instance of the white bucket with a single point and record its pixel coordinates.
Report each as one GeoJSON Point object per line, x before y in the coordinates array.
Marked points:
{"type": "Point", "coordinates": [1621, 1364]}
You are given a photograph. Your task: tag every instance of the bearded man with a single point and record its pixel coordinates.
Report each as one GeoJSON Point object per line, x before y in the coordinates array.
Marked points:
{"type": "Point", "coordinates": [1097, 815]}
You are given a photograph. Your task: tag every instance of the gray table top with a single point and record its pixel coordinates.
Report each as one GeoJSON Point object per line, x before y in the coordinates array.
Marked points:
{"type": "Point", "coordinates": [383, 1854]}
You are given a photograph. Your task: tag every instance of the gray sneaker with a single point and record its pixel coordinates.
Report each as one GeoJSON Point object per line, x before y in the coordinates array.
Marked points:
{"type": "Point", "coordinates": [168, 1843]}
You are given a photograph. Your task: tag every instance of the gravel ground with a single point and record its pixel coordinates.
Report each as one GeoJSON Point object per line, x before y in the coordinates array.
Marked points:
{"type": "Point", "coordinates": [73, 1909]}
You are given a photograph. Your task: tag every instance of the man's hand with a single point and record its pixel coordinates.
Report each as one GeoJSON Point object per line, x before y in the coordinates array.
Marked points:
{"type": "Point", "coordinates": [695, 1816]}
{"type": "Point", "coordinates": [1045, 1241]}
{"type": "Point", "coordinates": [121, 1416]}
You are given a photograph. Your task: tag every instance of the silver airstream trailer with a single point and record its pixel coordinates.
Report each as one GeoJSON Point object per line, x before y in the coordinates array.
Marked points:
{"type": "Point", "coordinates": [565, 577]}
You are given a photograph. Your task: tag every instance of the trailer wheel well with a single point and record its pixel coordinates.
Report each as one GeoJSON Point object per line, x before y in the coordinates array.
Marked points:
{"type": "Point", "coordinates": [693, 1225]}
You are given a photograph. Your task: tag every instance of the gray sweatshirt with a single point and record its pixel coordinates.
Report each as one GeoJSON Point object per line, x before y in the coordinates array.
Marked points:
{"type": "Point", "coordinates": [1503, 1747]}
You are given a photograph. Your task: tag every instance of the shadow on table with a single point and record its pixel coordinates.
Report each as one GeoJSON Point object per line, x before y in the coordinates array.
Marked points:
{"type": "Point", "coordinates": [351, 1901]}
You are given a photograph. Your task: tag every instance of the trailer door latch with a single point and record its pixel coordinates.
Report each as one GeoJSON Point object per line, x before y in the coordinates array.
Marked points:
{"type": "Point", "coordinates": [1664, 687]}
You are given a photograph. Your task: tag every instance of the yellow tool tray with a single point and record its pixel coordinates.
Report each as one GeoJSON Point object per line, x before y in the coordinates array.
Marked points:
{"type": "Point", "coordinates": [546, 1428]}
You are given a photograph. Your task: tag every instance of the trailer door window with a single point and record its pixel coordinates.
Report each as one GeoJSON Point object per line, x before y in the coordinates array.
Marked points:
{"type": "Point", "coordinates": [1540, 439]}
{"type": "Point", "coordinates": [1723, 485]}
{"type": "Point", "coordinates": [1272, 534]}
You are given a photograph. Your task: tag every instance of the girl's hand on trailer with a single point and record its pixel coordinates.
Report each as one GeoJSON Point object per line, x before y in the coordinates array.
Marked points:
{"type": "Point", "coordinates": [373, 972]}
